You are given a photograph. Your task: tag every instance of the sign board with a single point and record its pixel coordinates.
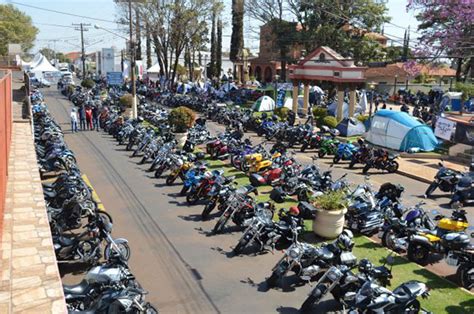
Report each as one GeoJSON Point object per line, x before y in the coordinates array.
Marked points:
{"type": "Point", "coordinates": [464, 134]}
{"type": "Point", "coordinates": [444, 128]}
{"type": "Point", "coordinates": [14, 49]}
{"type": "Point", "coordinates": [114, 78]}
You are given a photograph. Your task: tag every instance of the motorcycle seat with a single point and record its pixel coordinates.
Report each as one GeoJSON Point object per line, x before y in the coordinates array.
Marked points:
{"type": "Point", "coordinates": [48, 185]}
{"type": "Point", "coordinates": [81, 288]}
{"type": "Point", "coordinates": [65, 241]}
{"type": "Point", "coordinates": [325, 253]}
{"type": "Point", "coordinates": [50, 193]}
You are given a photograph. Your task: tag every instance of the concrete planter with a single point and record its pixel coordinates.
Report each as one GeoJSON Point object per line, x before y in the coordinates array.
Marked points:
{"type": "Point", "coordinates": [329, 223]}
{"type": "Point", "coordinates": [181, 138]}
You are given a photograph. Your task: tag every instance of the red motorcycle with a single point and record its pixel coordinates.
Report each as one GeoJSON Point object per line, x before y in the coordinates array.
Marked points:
{"type": "Point", "coordinates": [274, 175]}
{"type": "Point", "coordinates": [204, 187]}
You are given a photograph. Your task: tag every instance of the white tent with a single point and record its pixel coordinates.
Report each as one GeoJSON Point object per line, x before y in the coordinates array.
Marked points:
{"type": "Point", "coordinates": [363, 101]}
{"type": "Point", "coordinates": [264, 103]}
{"type": "Point", "coordinates": [44, 67]}
{"type": "Point", "coordinates": [289, 103]}
{"type": "Point", "coordinates": [154, 69]}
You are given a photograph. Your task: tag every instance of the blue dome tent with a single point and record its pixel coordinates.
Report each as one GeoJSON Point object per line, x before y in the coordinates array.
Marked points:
{"type": "Point", "coordinates": [400, 131]}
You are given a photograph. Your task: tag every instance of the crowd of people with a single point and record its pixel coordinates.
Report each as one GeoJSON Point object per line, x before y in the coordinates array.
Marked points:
{"type": "Point", "coordinates": [85, 117]}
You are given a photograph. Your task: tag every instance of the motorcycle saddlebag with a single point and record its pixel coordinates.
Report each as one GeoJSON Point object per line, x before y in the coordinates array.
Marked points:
{"type": "Point", "coordinates": [456, 240]}
{"type": "Point", "coordinates": [256, 180]}
{"type": "Point", "coordinates": [307, 211]}
{"type": "Point", "coordinates": [277, 195]}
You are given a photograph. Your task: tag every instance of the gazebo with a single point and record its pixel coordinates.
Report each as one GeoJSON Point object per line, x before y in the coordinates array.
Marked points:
{"type": "Point", "coordinates": [324, 64]}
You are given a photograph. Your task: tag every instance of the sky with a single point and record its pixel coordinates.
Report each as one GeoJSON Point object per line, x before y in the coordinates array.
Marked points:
{"type": "Point", "coordinates": [56, 30]}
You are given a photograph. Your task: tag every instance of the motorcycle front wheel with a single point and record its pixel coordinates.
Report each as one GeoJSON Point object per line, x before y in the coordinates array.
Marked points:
{"type": "Point", "coordinates": [170, 179]}
{"type": "Point", "coordinates": [303, 147]}
{"type": "Point", "coordinates": [392, 167]}
{"type": "Point", "coordinates": [219, 227]}
{"type": "Point", "coordinates": [310, 300]}
{"type": "Point", "coordinates": [388, 239]}
{"type": "Point", "coordinates": [418, 253]}
{"type": "Point", "coordinates": [184, 190]}
{"type": "Point", "coordinates": [242, 244]}
{"type": "Point", "coordinates": [336, 159]}
{"type": "Point", "coordinates": [123, 250]}
{"type": "Point", "coordinates": [208, 209]}
{"type": "Point", "coordinates": [129, 146]}
{"type": "Point", "coordinates": [466, 276]}
{"type": "Point", "coordinates": [159, 172]}
{"type": "Point", "coordinates": [321, 154]}
{"type": "Point", "coordinates": [366, 169]}
{"type": "Point", "coordinates": [431, 188]}
{"type": "Point", "coordinates": [413, 308]}
{"type": "Point", "coordinates": [192, 198]}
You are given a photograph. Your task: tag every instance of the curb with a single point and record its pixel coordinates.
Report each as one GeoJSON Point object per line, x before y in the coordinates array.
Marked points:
{"type": "Point", "coordinates": [415, 177]}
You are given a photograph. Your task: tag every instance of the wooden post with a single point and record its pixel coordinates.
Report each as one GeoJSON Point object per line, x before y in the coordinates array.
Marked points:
{"type": "Point", "coordinates": [306, 98]}
{"type": "Point", "coordinates": [295, 97]}
{"type": "Point", "coordinates": [352, 100]}
{"type": "Point", "coordinates": [340, 102]}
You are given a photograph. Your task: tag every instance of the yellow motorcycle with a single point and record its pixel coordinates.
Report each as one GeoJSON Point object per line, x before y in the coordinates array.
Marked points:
{"type": "Point", "coordinates": [260, 162]}
{"type": "Point", "coordinates": [448, 235]}
{"type": "Point", "coordinates": [182, 166]}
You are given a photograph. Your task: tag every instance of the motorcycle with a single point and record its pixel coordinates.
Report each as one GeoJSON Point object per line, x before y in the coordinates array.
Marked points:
{"type": "Point", "coordinates": [445, 179]}
{"type": "Point", "coordinates": [307, 261]}
{"type": "Point", "coordinates": [86, 247]}
{"type": "Point", "coordinates": [376, 299]}
{"type": "Point", "coordinates": [328, 147]}
{"type": "Point", "coordinates": [344, 152]}
{"type": "Point", "coordinates": [448, 235]}
{"type": "Point", "coordinates": [339, 280]}
{"type": "Point", "coordinates": [382, 161]}
{"type": "Point", "coordinates": [463, 192]}
{"type": "Point", "coordinates": [464, 260]}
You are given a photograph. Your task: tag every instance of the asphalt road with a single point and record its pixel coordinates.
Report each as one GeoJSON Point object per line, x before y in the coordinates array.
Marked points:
{"type": "Point", "coordinates": [173, 256]}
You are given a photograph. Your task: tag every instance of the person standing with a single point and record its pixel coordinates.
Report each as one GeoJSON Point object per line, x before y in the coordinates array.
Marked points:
{"type": "Point", "coordinates": [82, 117]}
{"type": "Point", "coordinates": [95, 117]}
{"type": "Point", "coordinates": [89, 118]}
{"type": "Point", "coordinates": [291, 118]}
{"type": "Point", "coordinates": [73, 120]}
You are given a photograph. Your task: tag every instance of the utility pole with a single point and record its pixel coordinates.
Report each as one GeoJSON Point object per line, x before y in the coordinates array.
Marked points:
{"type": "Point", "coordinates": [132, 62]}
{"type": "Point", "coordinates": [83, 28]}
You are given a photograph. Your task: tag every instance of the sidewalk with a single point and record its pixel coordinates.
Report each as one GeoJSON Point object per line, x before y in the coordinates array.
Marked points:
{"type": "Point", "coordinates": [30, 281]}
{"type": "Point", "coordinates": [423, 169]}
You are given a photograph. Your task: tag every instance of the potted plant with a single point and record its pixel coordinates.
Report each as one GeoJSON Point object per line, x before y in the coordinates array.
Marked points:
{"type": "Point", "coordinates": [126, 102]}
{"type": "Point", "coordinates": [329, 219]}
{"type": "Point", "coordinates": [181, 119]}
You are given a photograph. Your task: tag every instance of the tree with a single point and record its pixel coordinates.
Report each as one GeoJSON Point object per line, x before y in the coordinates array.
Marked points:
{"type": "Point", "coordinates": [446, 29]}
{"type": "Point", "coordinates": [48, 53]}
{"type": "Point", "coordinates": [212, 64]}
{"type": "Point", "coordinates": [341, 25]}
{"type": "Point", "coordinates": [219, 49]}
{"type": "Point", "coordinates": [15, 28]}
{"type": "Point", "coordinates": [237, 37]}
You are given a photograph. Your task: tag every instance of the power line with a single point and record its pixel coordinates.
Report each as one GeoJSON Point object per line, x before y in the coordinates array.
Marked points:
{"type": "Point", "coordinates": [55, 25]}
{"type": "Point", "coordinates": [65, 13]}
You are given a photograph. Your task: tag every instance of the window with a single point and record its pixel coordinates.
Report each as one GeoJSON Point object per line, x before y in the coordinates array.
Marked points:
{"type": "Point", "coordinates": [337, 74]}
{"type": "Point", "coordinates": [322, 57]}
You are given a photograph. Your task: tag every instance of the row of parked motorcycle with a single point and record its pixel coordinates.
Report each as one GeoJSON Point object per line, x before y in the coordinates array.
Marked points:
{"type": "Point", "coordinates": [81, 232]}
{"type": "Point", "coordinates": [369, 212]}
{"type": "Point", "coordinates": [331, 264]}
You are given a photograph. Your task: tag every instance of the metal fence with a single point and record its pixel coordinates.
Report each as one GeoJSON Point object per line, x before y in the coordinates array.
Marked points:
{"type": "Point", "coordinates": [5, 135]}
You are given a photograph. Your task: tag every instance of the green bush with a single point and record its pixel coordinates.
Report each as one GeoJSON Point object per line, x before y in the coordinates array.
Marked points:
{"type": "Point", "coordinates": [87, 83]}
{"type": "Point", "coordinates": [181, 119]}
{"type": "Point", "coordinates": [363, 118]}
{"type": "Point", "coordinates": [330, 122]}
{"type": "Point", "coordinates": [70, 89]}
{"type": "Point", "coordinates": [333, 200]}
{"type": "Point", "coordinates": [467, 90]}
{"type": "Point", "coordinates": [319, 114]}
{"type": "Point", "coordinates": [126, 101]}
{"type": "Point", "coordinates": [282, 113]}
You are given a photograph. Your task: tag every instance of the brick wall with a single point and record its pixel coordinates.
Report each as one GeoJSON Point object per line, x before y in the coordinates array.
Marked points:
{"type": "Point", "coordinates": [5, 134]}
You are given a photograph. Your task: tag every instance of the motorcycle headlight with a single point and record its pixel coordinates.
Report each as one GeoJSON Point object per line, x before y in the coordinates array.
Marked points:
{"type": "Point", "coordinates": [333, 275]}
{"type": "Point", "coordinates": [294, 253]}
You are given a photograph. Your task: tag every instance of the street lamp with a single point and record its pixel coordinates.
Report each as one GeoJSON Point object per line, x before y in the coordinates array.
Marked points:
{"type": "Point", "coordinates": [372, 88]}
{"type": "Point", "coordinates": [395, 86]}
{"type": "Point", "coordinates": [277, 77]}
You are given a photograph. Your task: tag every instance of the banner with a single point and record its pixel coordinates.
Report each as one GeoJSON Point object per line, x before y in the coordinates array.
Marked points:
{"type": "Point", "coordinates": [444, 128]}
{"type": "Point", "coordinates": [464, 134]}
{"type": "Point", "coordinates": [280, 98]}
{"type": "Point", "coordinates": [114, 78]}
